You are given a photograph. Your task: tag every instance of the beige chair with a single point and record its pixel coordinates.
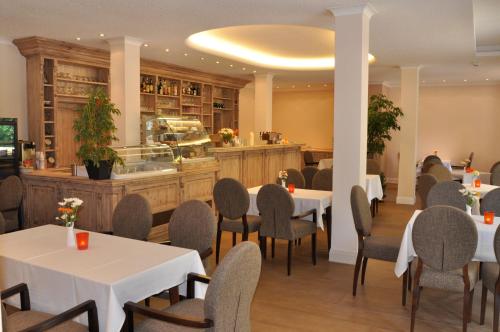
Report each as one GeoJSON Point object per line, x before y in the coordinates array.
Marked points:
{"type": "Point", "coordinates": [424, 184]}
{"type": "Point", "coordinates": [29, 320]}
{"type": "Point", "coordinates": [308, 172]}
{"type": "Point", "coordinates": [445, 240]}
{"type": "Point", "coordinates": [132, 217]}
{"type": "Point", "coordinates": [322, 180]}
{"type": "Point", "coordinates": [440, 172]}
{"type": "Point", "coordinates": [491, 282]}
{"type": "Point", "coordinates": [11, 196]}
{"type": "Point", "coordinates": [369, 246]}
{"type": "Point", "coordinates": [227, 303]}
{"type": "Point", "coordinates": [447, 193]}
{"type": "Point", "coordinates": [295, 177]}
{"type": "Point", "coordinates": [429, 161]}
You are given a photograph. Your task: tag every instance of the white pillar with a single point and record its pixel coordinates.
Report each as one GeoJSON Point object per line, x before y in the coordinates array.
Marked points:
{"type": "Point", "coordinates": [350, 123]}
{"type": "Point", "coordinates": [263, 120]}
{"type": "Point", "coordinates": [408, 136]}
{"type": "Point", "coordinates": [125, 58]}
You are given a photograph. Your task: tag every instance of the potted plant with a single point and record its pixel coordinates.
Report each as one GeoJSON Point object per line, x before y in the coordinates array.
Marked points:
{"type": "Point", "coordinates": [95, 130]}
{"type": "Point", "coordinates": [227, 136]}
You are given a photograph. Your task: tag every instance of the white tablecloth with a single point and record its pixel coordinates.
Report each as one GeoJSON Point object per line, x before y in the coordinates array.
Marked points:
{"type": "Point", "coordinates": [459, 174]}
{"type": "Point", "coordinates": [112, 271]}
{"type": "Point", "coordinates": [484, 250]}
{"type": "Point", "coordinates": [483, 189]}
{"type": "Point", "coordinates": [374, 187]}
{"type": "Point", "coordinates": [304, 200]}
{"type": "Point", "coordinates": [325, 163]}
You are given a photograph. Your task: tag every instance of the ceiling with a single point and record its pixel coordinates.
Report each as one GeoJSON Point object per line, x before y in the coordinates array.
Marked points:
{"type": "Point", "coordinates": [446, 37]}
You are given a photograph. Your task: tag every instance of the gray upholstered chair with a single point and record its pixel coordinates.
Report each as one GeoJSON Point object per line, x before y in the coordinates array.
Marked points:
{"type": "Point", "coordinates": [432, 157]}
{"type": "Point", "coordinates": [495, 178]}
{"type": "Point", "coordinates": [424, 184]}
{"type": "Point", "coordinates": [192, 226]}
{"type": "Point", "coordinates": [447, 193]}
{"type": "Point", "coordinates": [373, 167]}
{"type": "Point", "coordinates": [232, 202]}
{"type": "Point", "coordinates": [495, 167]}
{"type": "Point", "coordinates": [295, 177]}
{"type": "Point", "coordinates": [491, 282]}
{"type": "Point", "coordinates": [2, 224]}
{"type": "Point", "coordinates": [132, 217]}
{"type": "Point", "coordinates": [276, 207]}
{"type": "Point", "coordinates": [428, 163]}
{"type": "Point", "coordinates": [369, 246]}
{"type": "Point", "coordinates": [308, 172]}
{"type": "Point", "coordinates": [440, 172]}
{"type": "Point", "coordinates": [11, 196]}
{"type": "Point", "coordinates": [30, 320]}
{"type": "Point", "coordinates": [491, 202]}
{"type": "Point", "coordinates": [227, 303]}
{"type": "Point", "coordinates": [323, 181]}
{"type": "Point", "coordinates": [309, 159]}
{"type": "Point", "coordinates": [445, 240]}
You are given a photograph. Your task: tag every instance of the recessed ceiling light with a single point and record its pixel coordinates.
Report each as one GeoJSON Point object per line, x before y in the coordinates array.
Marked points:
{"type": "Point", "coordinates": [185, 54]}
{"type": "Point", "coordinates": [325, 85]}
{"type": "Point", "coordinates": [465, 80]}
{"type": "Point", "coordinates": [243, 68]}
{"type": "Point", "coordinates": [146, 45]}
{"type": "Point", "coordinates": [217, 62]}
{"type": "Point", "coordinates": [278, 87]}
{"type": "Point", "coordinates": [167, 50]}
{"type": "Point", "coordinates": [487, 79]}
{"type": "Point", "coordinates": [293, 86]}
{"type": "Point", "coordinates": [444, 81]}
{"type": "Point", "coordinates": [254, 71]}
{"type": "Point", "coordinates": [231, 66]}
{"type": "Point", "coordinates": [309, 85]}
{"type": "Point", "coordinates": [101, 35]}
{"type": "Point", "coordinates": [78, 38]}
{"type": "Point", "coordinates": [423, 81]}
{"type": "Point", "coordinates": [202, 59]}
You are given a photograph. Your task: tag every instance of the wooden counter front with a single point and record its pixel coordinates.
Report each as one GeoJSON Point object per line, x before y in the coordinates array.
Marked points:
{"type": "Point", "coordinates": [43, 189]}
{"type": "Point", "coordinates": [259, 164]}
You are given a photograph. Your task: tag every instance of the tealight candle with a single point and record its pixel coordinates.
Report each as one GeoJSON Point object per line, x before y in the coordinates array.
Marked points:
{"type": "Point", "coordinates": [291, 188]}
{"type": "Point", "coordinates": [82, 240]}
{"type": "Point", "coordinates": [489, 216]}
{"type": "Point", "coordinates": [477, 183]}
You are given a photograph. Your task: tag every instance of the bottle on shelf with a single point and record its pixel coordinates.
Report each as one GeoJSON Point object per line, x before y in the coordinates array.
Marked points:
{"type": "Point", "coordinates": [175, 90]}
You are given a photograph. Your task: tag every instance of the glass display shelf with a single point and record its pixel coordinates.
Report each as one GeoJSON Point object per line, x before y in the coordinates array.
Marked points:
{"type": "Point", "coordinates": [144, 160]}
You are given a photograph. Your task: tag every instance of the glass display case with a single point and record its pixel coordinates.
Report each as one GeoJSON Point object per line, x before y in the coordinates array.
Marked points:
{"type": "Point", "coordinates": [186, 136]}
{"type": "Point", "coordinates": [144, 160]}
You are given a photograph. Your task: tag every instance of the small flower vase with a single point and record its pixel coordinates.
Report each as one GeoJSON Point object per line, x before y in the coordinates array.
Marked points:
{"type": "Point", "coordinates": [70, 236]}
{"type": "Point", "coordinates": [226, 144]}
{"type": "Point", "coordinates": [468, 209]}
{"type": "Point", "coordinates": [283, 183]}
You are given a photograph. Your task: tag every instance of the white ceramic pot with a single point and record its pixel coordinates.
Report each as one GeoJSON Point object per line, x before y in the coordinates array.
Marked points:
{"type": "Point", "coordinates": [70, 236]}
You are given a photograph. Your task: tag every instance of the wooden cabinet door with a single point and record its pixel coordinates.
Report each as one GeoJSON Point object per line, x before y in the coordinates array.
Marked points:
{"type": "Point", "coordinates": [66, 146]}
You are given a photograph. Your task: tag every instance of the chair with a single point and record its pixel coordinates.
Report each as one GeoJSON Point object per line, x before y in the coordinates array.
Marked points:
{"type": "Point", "coordinates": [11, 196]}
{"type": "Point", "coordinates": [469, 160]}
{"type": "Point", "coordinates": [440, 172]}
{"type": "Point", "coordinates": [39, 321]}
{"type": "Point", "coordinates": [373, 167]}
{"type": "Point", "coordinates": [276, 207]}
{"type": "Point", "coordinates": [369, 246]}
{"type": "Point", "coordinates": [308, 172]}
{"type": "Point", "coordinates": [495, 167]}
{"type": "Point", "coordinates": [491, 202]}
{"type": "Point", "coordinates": [226, 306]}
{"type": "Point", "coordinates": [2, 224]}
{"type": "Point", "coordinates": [491, 282]}
{"type": "Point", "coordinates": [232, 202]}
{"type": "Point", "coordinates": [424, 184]}
{"type": "Point", "coordinates": [323, 181]}
{"type": "Point", "coordinates": [445, 240]}
{"type": "Point", "coordinates": [132, 217]}
{"type": "Point", "coordinates": [432, 157]}
{"type": "Point", "coordinates": [495, 174]}
{"type": "Point", "coordinates": [447, 193]}
{"type": "Point", "coordinates": [428, 163]}
{"type": "Point", "coordinates": [295, 177]}
{"type": "Point", "coordinates": [309, 159]}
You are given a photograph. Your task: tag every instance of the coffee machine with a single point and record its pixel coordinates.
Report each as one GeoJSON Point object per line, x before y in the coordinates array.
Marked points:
{"type": "Point", "coordinates": [26, 153]}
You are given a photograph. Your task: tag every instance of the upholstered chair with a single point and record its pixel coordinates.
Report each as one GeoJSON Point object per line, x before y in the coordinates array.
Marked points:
{"type": "Point", "coordinates": [447, 193]}
{"type": "Point", "coordinates": [295, 177]}
{"type": "Point", "coordinates": [132, 217]}
{"type": "Point", "coordinates": [276, 207]}
{"type": "Point", "coordinates": [424, 184]}
{"type": "Point", "coordinates": [491, 282]}
{"type": "Point", "coordinates": [428, 163]}
{"type": "Point", "coordinates": [232, 202]}
{"type": "Point", "coordinates": [491, 202]}
{"type": "Point", "coordinates": [373, 167]}
{"type": "Point", "coordinates": [322, 180]}
{"type": "Point", "coordinates": [445, 240]}
{"type": "Point", "coordinates": [370, 246]}
{"type": "Point", "coordinates": [2, 224]}
{"type": "Point", "coordinates": [11, 196]}
{"type": "Point", "coordinates": [227, 303]}
{"type": "Point", "coordinates": [495, 174]}
{"type": "Point", "coordinates": [495, 167]}
{"type": "Point", "coordinates": [432, 157]}
{"type": "Point", "coordinates": [440, 172]}
{"type": "Point", "coordinates": [29, 320]}
{"type": "Point", "coordinates": [308, 172]}
{"type": "Point", "coordinates": [309, 159]}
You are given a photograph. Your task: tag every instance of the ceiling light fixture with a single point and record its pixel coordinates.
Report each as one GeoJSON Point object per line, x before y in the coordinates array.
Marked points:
{"type": "Point", "coordinates": [202, 59]}
{"type": "Point", "coordinates": [254, 71]}
{"type": "Point", "coordinates": [465, 80]}
{"type": "Point", "coordinates": [444, 81]}
{"type": "Point", "coordinates": [167, 50]}
{"type": "Point", "coordinates": [293, 86]}
{"type": "Point", "coordinates": [325, 85]}
{"type": "Point", "coordinates": [146, 45]}
{"type": "Point", "coordinates": [243, 68]}
{"type": "Point", "coordinates": [217, 62]}
{"type": "Point", "coordinates": [101, 35]}
{"type": "Point", "coordinates": [231, 66]}
{"type": "Point", "coordinates": [207, 41]}
{"type": "Point", "coordinates": [309, 85]}
{"type": "Point", "coordinates": [278, 87]}
{"type": "Point", "coordinates": [487, 79]}
{"type": "Point", "coordinates": [185, 54]}
{"type": "Point", "coordinates": [78, 38]}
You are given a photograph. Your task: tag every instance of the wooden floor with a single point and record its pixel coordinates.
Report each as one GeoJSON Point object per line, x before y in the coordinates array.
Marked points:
{"type": "Point", "coordinates": [318, 298]}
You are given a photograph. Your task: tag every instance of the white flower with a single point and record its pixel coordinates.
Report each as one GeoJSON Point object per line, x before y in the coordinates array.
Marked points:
{"type": "Point", "coordinates": [64, 216]}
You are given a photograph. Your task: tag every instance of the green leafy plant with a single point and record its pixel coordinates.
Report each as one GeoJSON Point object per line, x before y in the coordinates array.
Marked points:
{"type": "Point", "coordinates": [382, 120]}
{"type": "Point", "coordinates": [95, 129]}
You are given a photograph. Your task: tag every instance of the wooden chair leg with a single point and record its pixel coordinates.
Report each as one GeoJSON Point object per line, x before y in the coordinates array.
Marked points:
{"type": "Point", "coordinates": [356, 272]}
{"type": "Point", "coordinates": [217, 246]}
{"type": "Point", "coordinates": [147, 302]}
{"type": "Point", "coordinates": [234, 239]}
{"type": "Point", "coordinates": [484, 298]}
{"type": "Point", "coordinates": [264, 246]}
{"type": "Point", "coordinates": [273, 245]}
{"type": "Point", "coordinates": [409, 276]}
{"type": "Point", "coordinates": [496, 311]}
{"type": "Point", "coordinates": [471, 298]}
{"type": "Point", "coordinates": [363, 270]}
{"type": "Point", "coordinates": [465, 313]}
{"type": "Point", "coordinates": [173, 294]}
{"type": "Point", "coordinates": [414, 305]}
{"type": "Point", "coordinates": [300, 242]}
{"type": "Point", "coordinates": [244, 236]}
{"type": "Point", "coordinates": [405, 285]}
{"type": "Point", "coordinates": [289, 257]}
{"type": "Point", "coordinates": [313, 248]}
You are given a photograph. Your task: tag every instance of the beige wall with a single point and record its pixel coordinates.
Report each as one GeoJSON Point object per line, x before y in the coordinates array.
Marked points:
{"type": "Point", "coordinates": [246, 111]}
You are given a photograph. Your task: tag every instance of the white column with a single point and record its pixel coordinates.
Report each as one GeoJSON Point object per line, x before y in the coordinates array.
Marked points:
{"type": "Point", "coordinates": [408, 136]}
{"type": "Point", "coordinates": [263, 120]}
{"type": "Point", "coordinates": [350, 123]}
{"type": "Point", "coordinates": [125, 58]}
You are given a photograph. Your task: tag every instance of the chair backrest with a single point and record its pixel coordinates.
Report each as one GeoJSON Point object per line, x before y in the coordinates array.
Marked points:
{"type": "Point", "coordinates": [308, 172]}
{"type": "Point", "coordinates": [295, 177]}
{"type": "Point", "coordinates": [432, 158]}
{"type": "Point", "coordinates": [491, 202]}
{"type": "Point", "coordinates": [276, 207]}
{"type": "Point", "coordinates": [231, 198]}
{"type": "Point", "coordinates": [192, 226]}
{"type": "Point", "coordinates": [373, 167]}
{"type": "Point", "coordinates": [230, 292]}
{"type": "Point", "coordinates": [447, 193]}
{"type": "Point", "coordinates": [444, 237]}
{"type": "Point", "coordinates": [361, 211]}
{"type": "Point", "coordinates": [424, 184]}
{"type": "Point", "coordinates": [495, 167]}
{"type": "Point", "coordinates": [323, 180]}
{"type": "Point", "coordinates": [440, 172]}
{"type": "Point", "coordinates": [308, 157]}
{"type": "Point", "coordinates": [11, 193]}
{"type": "Point", "coordinates": [428, 163]}
{"type": "Point", "coordinates": [495, 178]}
{"type": "Point", "coordinates": [496, 244]}
{"type": "Point", "coordinates": [2, 223]}
{"type": "Point", "coordinates": [132, 217]}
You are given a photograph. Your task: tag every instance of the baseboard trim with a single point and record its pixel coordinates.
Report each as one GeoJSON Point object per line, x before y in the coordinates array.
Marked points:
{"type": "Point", "coordinates": [405, 200]}
{"type": "Point", "coordinates": [342, 256]}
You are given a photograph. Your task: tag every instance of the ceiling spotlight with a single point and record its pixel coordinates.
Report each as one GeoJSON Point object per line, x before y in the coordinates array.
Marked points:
{"type": "Point", "coordinates": [254, 71]}
{"type": "Point", "coordinates": [231, 66]}
{"type": "Point", "coordinates": [325, 85]}
{"type": "Point", "coordinates": [78, 38]}
{"type": "Point", "coordinates": [217, 62]}
{"type": "Point", "coordinates": [465, 80]}
{"type": "Point", "coordinates": [167, 50]}
{"type": "Point", "coordinates": [293, 86]}
{"type": "Point", "coordinates": [243, 68]}
{"type": "Point", "coordinates": [101, 35]}
{"type": "Point", "coordinates": [444, 81]}
{"type": "Point", "coordinates": [487, 79]}
{"type": "Point", "coordinates": [202, 59]}
{"type": "Point", "coordinates": [309, 85]}
{"type": "Point", "coordinates": [278, 87]}
{"type": "Point", "coordinates": [146, 45]}
{"type": "Point", "coordinates": [185, 54]}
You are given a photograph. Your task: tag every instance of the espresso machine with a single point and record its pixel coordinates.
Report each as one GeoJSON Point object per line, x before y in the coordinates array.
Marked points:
{"type": "Point", "coordinates": [26, 153]}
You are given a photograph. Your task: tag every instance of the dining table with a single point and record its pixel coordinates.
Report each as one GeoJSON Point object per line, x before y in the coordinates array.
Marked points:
{"type": "Point", "coordinates": [325, 163]}
{"type": "Point", "coordinates": [482, 190]}
{"type": "Point", "coordinates": [112, 271]}
{"type": "Point", "coordinates": [484, 250]}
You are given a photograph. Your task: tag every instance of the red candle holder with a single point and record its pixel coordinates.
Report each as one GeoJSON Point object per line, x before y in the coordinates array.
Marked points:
{"type": "Point", "coordinates": [489, 216]}
{"type": "Point", "coordinates": [82, 240]}
{"type": "Point", "coordinates": [291, 188]}
{"type": "Point", "coordinates": [477, 183]}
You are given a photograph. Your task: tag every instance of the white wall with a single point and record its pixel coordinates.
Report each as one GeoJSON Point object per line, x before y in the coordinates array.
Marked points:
{"type": "Point", "coordinates": [13, 102]}
{"type": "Point", "coordinates": [247, 109]}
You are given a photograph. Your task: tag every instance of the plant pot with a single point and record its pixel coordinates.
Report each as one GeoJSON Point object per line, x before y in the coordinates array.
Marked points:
{"type": "Point", "coordinates": [70, 236]}
{"type": "Point", "coordinates": [103, 172]}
